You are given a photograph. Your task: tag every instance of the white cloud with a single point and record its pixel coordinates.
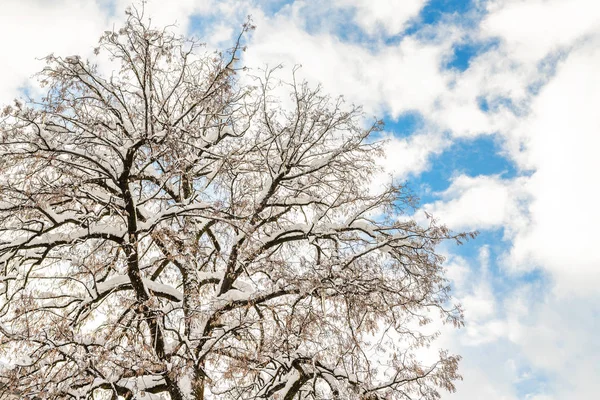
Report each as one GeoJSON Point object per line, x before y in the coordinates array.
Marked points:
{"type": "Point", "coordinates": [561, 136]}
{"type": "Point", "coordinates": [221, 34]}
{"type": "Point", "coordinates": [33, 29]}
{"type": "Point", "coordinates": [525, 336]}
{"type": "Point", "coordinates": [385, 79]}
{"type": "Point", "coordinates": [485, 333]}
{"type": "Point", "coordinates": [552, 218]}
{"type": "Point", "coordinates": [557, 338]}
{"type": "Point", "coordinates": [490, 383]}
{"type": "Point", "coordinates": [176, 13]}
{"type": "Point", "coordinates": [480, 304]}
{"type": "Point", "coordinates": [553, 133]}
{"type": "Point", "coordinates": [410, 156]}
{"type": "Point", "coordinates": [474, 291]}
{"type": "Point", "coordinates": [491, 77]}
{"type": "Point", "coordinates": [392, 79]}
{"type": "Point", "coordinates": [531, 29]}
{"type": "Point", "coordinates": [482, 202]}
{"type": "Point", "coordinates": [550, 214]}
{"type": "Point", "coordinates": [528, 32]}
{"type": "Point", "coordinates": [390, 16]}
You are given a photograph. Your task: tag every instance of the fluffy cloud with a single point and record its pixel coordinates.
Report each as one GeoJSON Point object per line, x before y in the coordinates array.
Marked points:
{"type": "Point", "coordinates": [551, 212]}
{"type": "Point", "coordinates": [550, 131]}
{"type": "Point", "coordinates": [561, 136]}
{"type": "Point", "coordinates": [389, 15]}
{"type": "Point", "coordinates": [544, 346]}
{"type": "Point", "coordinates": [177, 13]}
{"type": "Point", "coordinates": [532, 29]}
{"type": "Point", "coordinates": [485, 332]}
{"type": "Point", "coordinates": [411, 155]}
{"type": "Point", "coordinates": [524, 337]}
{"type": "Point", "coordinates": [33, 29]}
{"type": "Point", "coordinates": [481, 202]}
{"type": "Point", "coordinates": [556, 338]}
{"type": "Point", "coordinates": [529, 37]}
{"type": "Point", "coordinates": [538, 84]}
{"type": "Point", "coordinates": [384, 79]}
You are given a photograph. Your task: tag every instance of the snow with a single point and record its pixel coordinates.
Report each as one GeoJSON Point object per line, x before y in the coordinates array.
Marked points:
{"type": "Point", "coordinates": [112, 283]}
{"type": "Point", "coordinates": [141, 383]}
{"type": "Point", "coordinates": [171, 212]}
{"type": "Point", "coordinates": [302, 199]}
{"type": "Point", "coordinates": [211, 136]}
{"type": "Point", "coordinates": [266, 187]}
{"type": "Point", "coordinates": [323, 228]}
{"type": "Point", "coordinates": [293, 228]}
{"type": "Point", "coordinates": [202, 276]}
{"type": "Point", "coordinates": [227, 130]}
{"type": "Point", "coordinates": [342, 373]}
{"type": "Point", "coordinates": [293, 376]}
{"type": "Point", "coordinates": [73, 235]}
{"type": "Point", "coordinates": [89, 340]}
{"type": "Point", "coordinates": [240, 237]}
{"type": "Point", "coordinates": [185, 385]}
{"type": "Point", "coordinates": [319, 163]}
{"type": "Point", "coordinates": [156, 287]}
{"type": "Point", "coordinates": [59, 217]}
{"type": "Point", "coordinates": [331, 380]}
{"type": "Point", "coordinates": [162, 288]}
{"type": "Point", "coordinates": [363, 226]}
{"type": "Point", "coordinates": [233, 295]}
{"type": "Point", "coordinates": [23, 360]}
{"type": "Point", "coordinates": [7, 277]}
{"type": "Point", "coordinates": [150, 396]}
{"type": "Point", "coordinates": [243, 286]}
{"type": "Point", "coordinates": [153, 172]}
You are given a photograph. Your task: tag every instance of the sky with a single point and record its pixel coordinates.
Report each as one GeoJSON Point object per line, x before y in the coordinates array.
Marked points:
{"type": "Point", "coordinates": [491, 112]}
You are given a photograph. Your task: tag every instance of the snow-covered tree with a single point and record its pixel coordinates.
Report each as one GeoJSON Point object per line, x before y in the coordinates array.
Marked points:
{"type": "Point", "coordinates": [171, 230]}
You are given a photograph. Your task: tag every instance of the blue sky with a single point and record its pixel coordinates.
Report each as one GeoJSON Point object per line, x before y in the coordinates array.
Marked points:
{"type": "Point", "coordinates": [491, 119]}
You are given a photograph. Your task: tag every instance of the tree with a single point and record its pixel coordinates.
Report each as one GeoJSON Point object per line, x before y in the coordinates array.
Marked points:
{"type": "Point", "coordinates": [173, 230]}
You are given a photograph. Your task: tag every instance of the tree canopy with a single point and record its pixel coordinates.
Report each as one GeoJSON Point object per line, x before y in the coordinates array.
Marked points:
{"type": "Point", "coordinates": [174, 229]}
